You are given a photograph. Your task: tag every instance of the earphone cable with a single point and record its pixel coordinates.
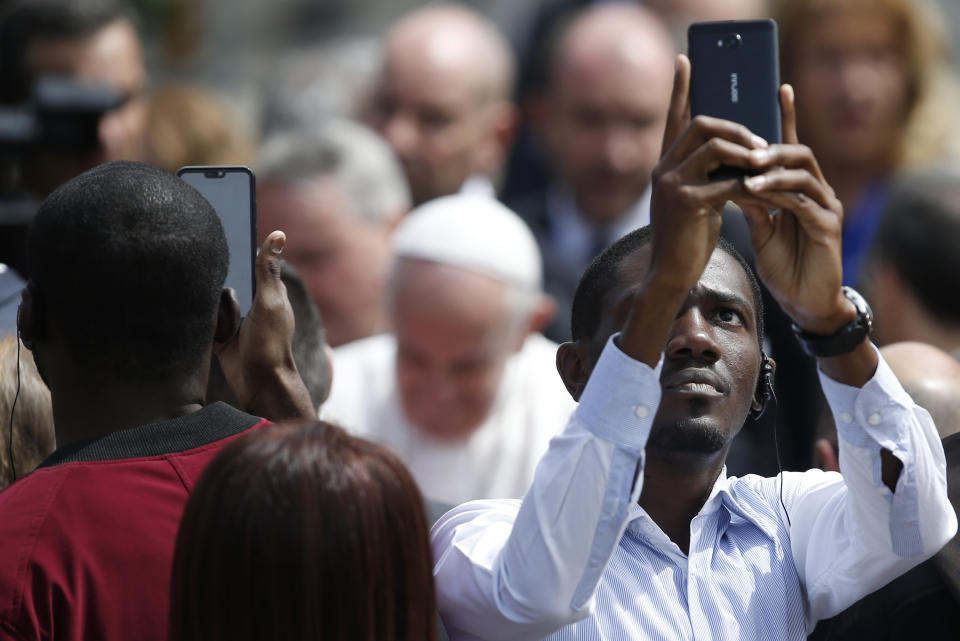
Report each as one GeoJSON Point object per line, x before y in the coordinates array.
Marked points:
{"type": "Point", "coordinates": [776, 447]}
{"type": "Point", "coordinates": [13, 408]}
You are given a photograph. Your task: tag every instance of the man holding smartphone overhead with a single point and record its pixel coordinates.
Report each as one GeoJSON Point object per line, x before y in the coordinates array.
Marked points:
{"type": "Point", "coordinates": [123, 312]}
{"type": "Point", "coordinates": [631, 528]}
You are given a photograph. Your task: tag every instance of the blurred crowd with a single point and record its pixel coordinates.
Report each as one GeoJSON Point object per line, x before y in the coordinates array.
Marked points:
{"type": "Point", "coordinates": [442, 188]}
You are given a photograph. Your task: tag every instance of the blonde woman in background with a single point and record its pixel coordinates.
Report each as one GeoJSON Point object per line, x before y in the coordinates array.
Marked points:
{"type": "Point", "coordinates": [33, 437]}
{"type": "Point", "coordinates": [190, 125]}
{"type": "Point", "coordinates": [874, 96]}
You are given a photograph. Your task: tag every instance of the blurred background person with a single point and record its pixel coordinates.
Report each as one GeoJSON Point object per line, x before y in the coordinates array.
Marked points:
{"type": "Point", "coordinates": [536, 41]}
{"type": "Point", "coordinates": [32, 430]}
{"type": "Point", "coordinates": [93, 50]}
{"type": "Point", "coordinates": [873, 97]}
{"type": "Point", "coordinates": [442, 100]}
{"type": "Point", "coordinates": [303, 532]}
{"type": "Point", "coordinates": [338, 193]}
{"type": "Point", "coordinates": [93, 42]}
{"type": "Point", "coordinates": [924, 603]}
{"type": "Point", "coordinates": [913, 268]}
{"type": "Point", "coordinates": [602, 124]}
{"type": "Point", "coordinates": [190, 125]}
{"type": "Point", "coordinates": [680, 14]}
{"type": "Point", "coordinates": [11, 284]}
{"type": "Point", "coordinates": [465, 390]}
{"type": "Point", "coordinates": [308, 85]}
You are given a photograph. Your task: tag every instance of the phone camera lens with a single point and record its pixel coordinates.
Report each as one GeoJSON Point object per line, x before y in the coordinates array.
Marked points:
{"type": "Point", "coordinates": [731, 41]}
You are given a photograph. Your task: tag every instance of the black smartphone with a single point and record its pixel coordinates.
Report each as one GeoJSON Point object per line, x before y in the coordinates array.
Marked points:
{"type": "Point", "coordinates": [735, 75]}
{"type": "Point", "coordinates": [231, 191]}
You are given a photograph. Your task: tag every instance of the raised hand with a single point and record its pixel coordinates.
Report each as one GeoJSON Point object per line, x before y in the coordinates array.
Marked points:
{"type": "Point", "coordinates": [257, 361]}
{"type": "Point", "coordinates": [686, 206]}
{"type": "Point", "coordinates": [796, 223]}
{"type": "Point", "coordinates": [686, 213]}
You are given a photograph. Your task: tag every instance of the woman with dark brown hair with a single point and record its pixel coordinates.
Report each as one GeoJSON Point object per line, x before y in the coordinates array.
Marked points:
{"type": "Point", "coordinates": [303, 532]}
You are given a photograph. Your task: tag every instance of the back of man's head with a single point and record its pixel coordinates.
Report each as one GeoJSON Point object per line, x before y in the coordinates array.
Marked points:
{"type": "Point", "coordinates": [309, 341]}
{"type": "Point", "coordinates": [932, 379]}
{"type": "Point", "coordinates": [127, 265]}
{"type": "Point", "coordinates": [24, 22]}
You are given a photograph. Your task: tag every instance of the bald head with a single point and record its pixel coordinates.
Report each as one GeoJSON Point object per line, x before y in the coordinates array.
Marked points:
{"type": "Point", "coordinates": [932, 378]}
{"type": "Point", "coordinates": [441, 99]}
{"type": "Point", "coordinates": [452, 40]}
{"type": "Point", "coordinates": [615, 37]}
{"type": "Point", "coordinates": [609, 91]}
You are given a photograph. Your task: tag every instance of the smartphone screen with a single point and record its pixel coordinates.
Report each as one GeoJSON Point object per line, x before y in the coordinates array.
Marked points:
{"type": "Point", "coordinates": [231, 192]}
{"type": "Point", "coordinates": [735, 75]}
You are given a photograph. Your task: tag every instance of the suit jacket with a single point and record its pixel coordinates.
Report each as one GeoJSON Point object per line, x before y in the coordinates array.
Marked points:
{"type": "Point", "coordinates": [561, 273]}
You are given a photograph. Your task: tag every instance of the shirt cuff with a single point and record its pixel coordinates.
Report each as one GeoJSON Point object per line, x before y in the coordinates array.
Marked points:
{"type": "Point", "coordinates": [867, 415]}
{"type": "Point", "coordinates": [620, 399]}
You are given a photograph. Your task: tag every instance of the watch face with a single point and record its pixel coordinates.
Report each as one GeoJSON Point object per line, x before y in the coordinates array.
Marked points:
{"type": "Point", "coordinates": [863, 307]}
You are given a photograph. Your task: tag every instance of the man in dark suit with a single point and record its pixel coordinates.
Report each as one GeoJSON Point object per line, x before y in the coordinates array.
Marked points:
{"type": "Point", "coordinates": [603, 119]}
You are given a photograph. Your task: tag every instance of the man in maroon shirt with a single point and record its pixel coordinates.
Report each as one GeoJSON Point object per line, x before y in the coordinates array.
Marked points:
{"type": "Point", "coordinates": [125, 306]}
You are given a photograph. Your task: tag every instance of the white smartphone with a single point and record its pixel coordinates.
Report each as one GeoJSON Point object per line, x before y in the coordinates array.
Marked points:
{"type": "Point", "coordinates": [231, 190]}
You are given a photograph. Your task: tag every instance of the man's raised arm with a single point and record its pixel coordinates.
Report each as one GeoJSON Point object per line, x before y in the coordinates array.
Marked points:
{"type": "Point", "coordinates": [504, 572]}
{"type": "Point", "coordinates": [891, 510]}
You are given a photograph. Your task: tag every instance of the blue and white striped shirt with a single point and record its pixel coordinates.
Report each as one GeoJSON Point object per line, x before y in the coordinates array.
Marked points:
{"type": "Point", "coordinates": [579, 559]}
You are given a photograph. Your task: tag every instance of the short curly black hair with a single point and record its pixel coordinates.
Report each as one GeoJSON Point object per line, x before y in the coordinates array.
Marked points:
{"type": "Point", "coordinates": [127, 263]}
{"type": "Point", "coordinates": [603, 274]}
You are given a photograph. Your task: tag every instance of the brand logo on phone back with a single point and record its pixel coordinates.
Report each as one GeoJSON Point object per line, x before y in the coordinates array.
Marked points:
{"type": "Point", "coordinates": [734, 88]}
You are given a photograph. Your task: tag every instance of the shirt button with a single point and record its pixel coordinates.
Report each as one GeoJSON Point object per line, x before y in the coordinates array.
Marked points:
{"type": "Point", "coordinates": [642, 411]}
{"type": "Point", "coordinates": [874, 419]}
{"type": "Point", "coordinates": [846, 417]}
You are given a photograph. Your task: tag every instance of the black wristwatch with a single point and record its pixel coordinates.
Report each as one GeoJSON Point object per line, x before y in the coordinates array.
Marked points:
{"type": "Point", "coordinates": [845, 339]}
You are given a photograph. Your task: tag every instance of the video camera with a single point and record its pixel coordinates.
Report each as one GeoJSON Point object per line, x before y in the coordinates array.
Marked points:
{"type": "Point", "coordinates": [62, 115]}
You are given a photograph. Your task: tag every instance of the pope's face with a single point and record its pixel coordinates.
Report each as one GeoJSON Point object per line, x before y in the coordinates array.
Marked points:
{"type": "Point", "coordinates": [454, 337]}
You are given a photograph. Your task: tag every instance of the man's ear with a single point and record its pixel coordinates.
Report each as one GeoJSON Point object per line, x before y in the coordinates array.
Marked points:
{"type": "Point", "coordinates": [574, 368]}
{"type": "Point", "coordinates": [28, 318]}
{"type": "Point", "coordinates": [543, 312]}
{"type": "Point", "coordinates": [228, 316]}
{"type": "Point", "coordinates": [502, 121]}
{"type": "Point", "coordinates": [328, 354]}
{"type": "Point", "coordinates": [764, 391]}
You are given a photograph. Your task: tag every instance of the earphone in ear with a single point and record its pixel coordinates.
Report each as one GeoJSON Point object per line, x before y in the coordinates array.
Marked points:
{"type": "Point", "coordinates": [764, 387]}
{"type": "Point", "coordinates": [35, 315]}
{"type": "Point", "coordinates": [26, 343]}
